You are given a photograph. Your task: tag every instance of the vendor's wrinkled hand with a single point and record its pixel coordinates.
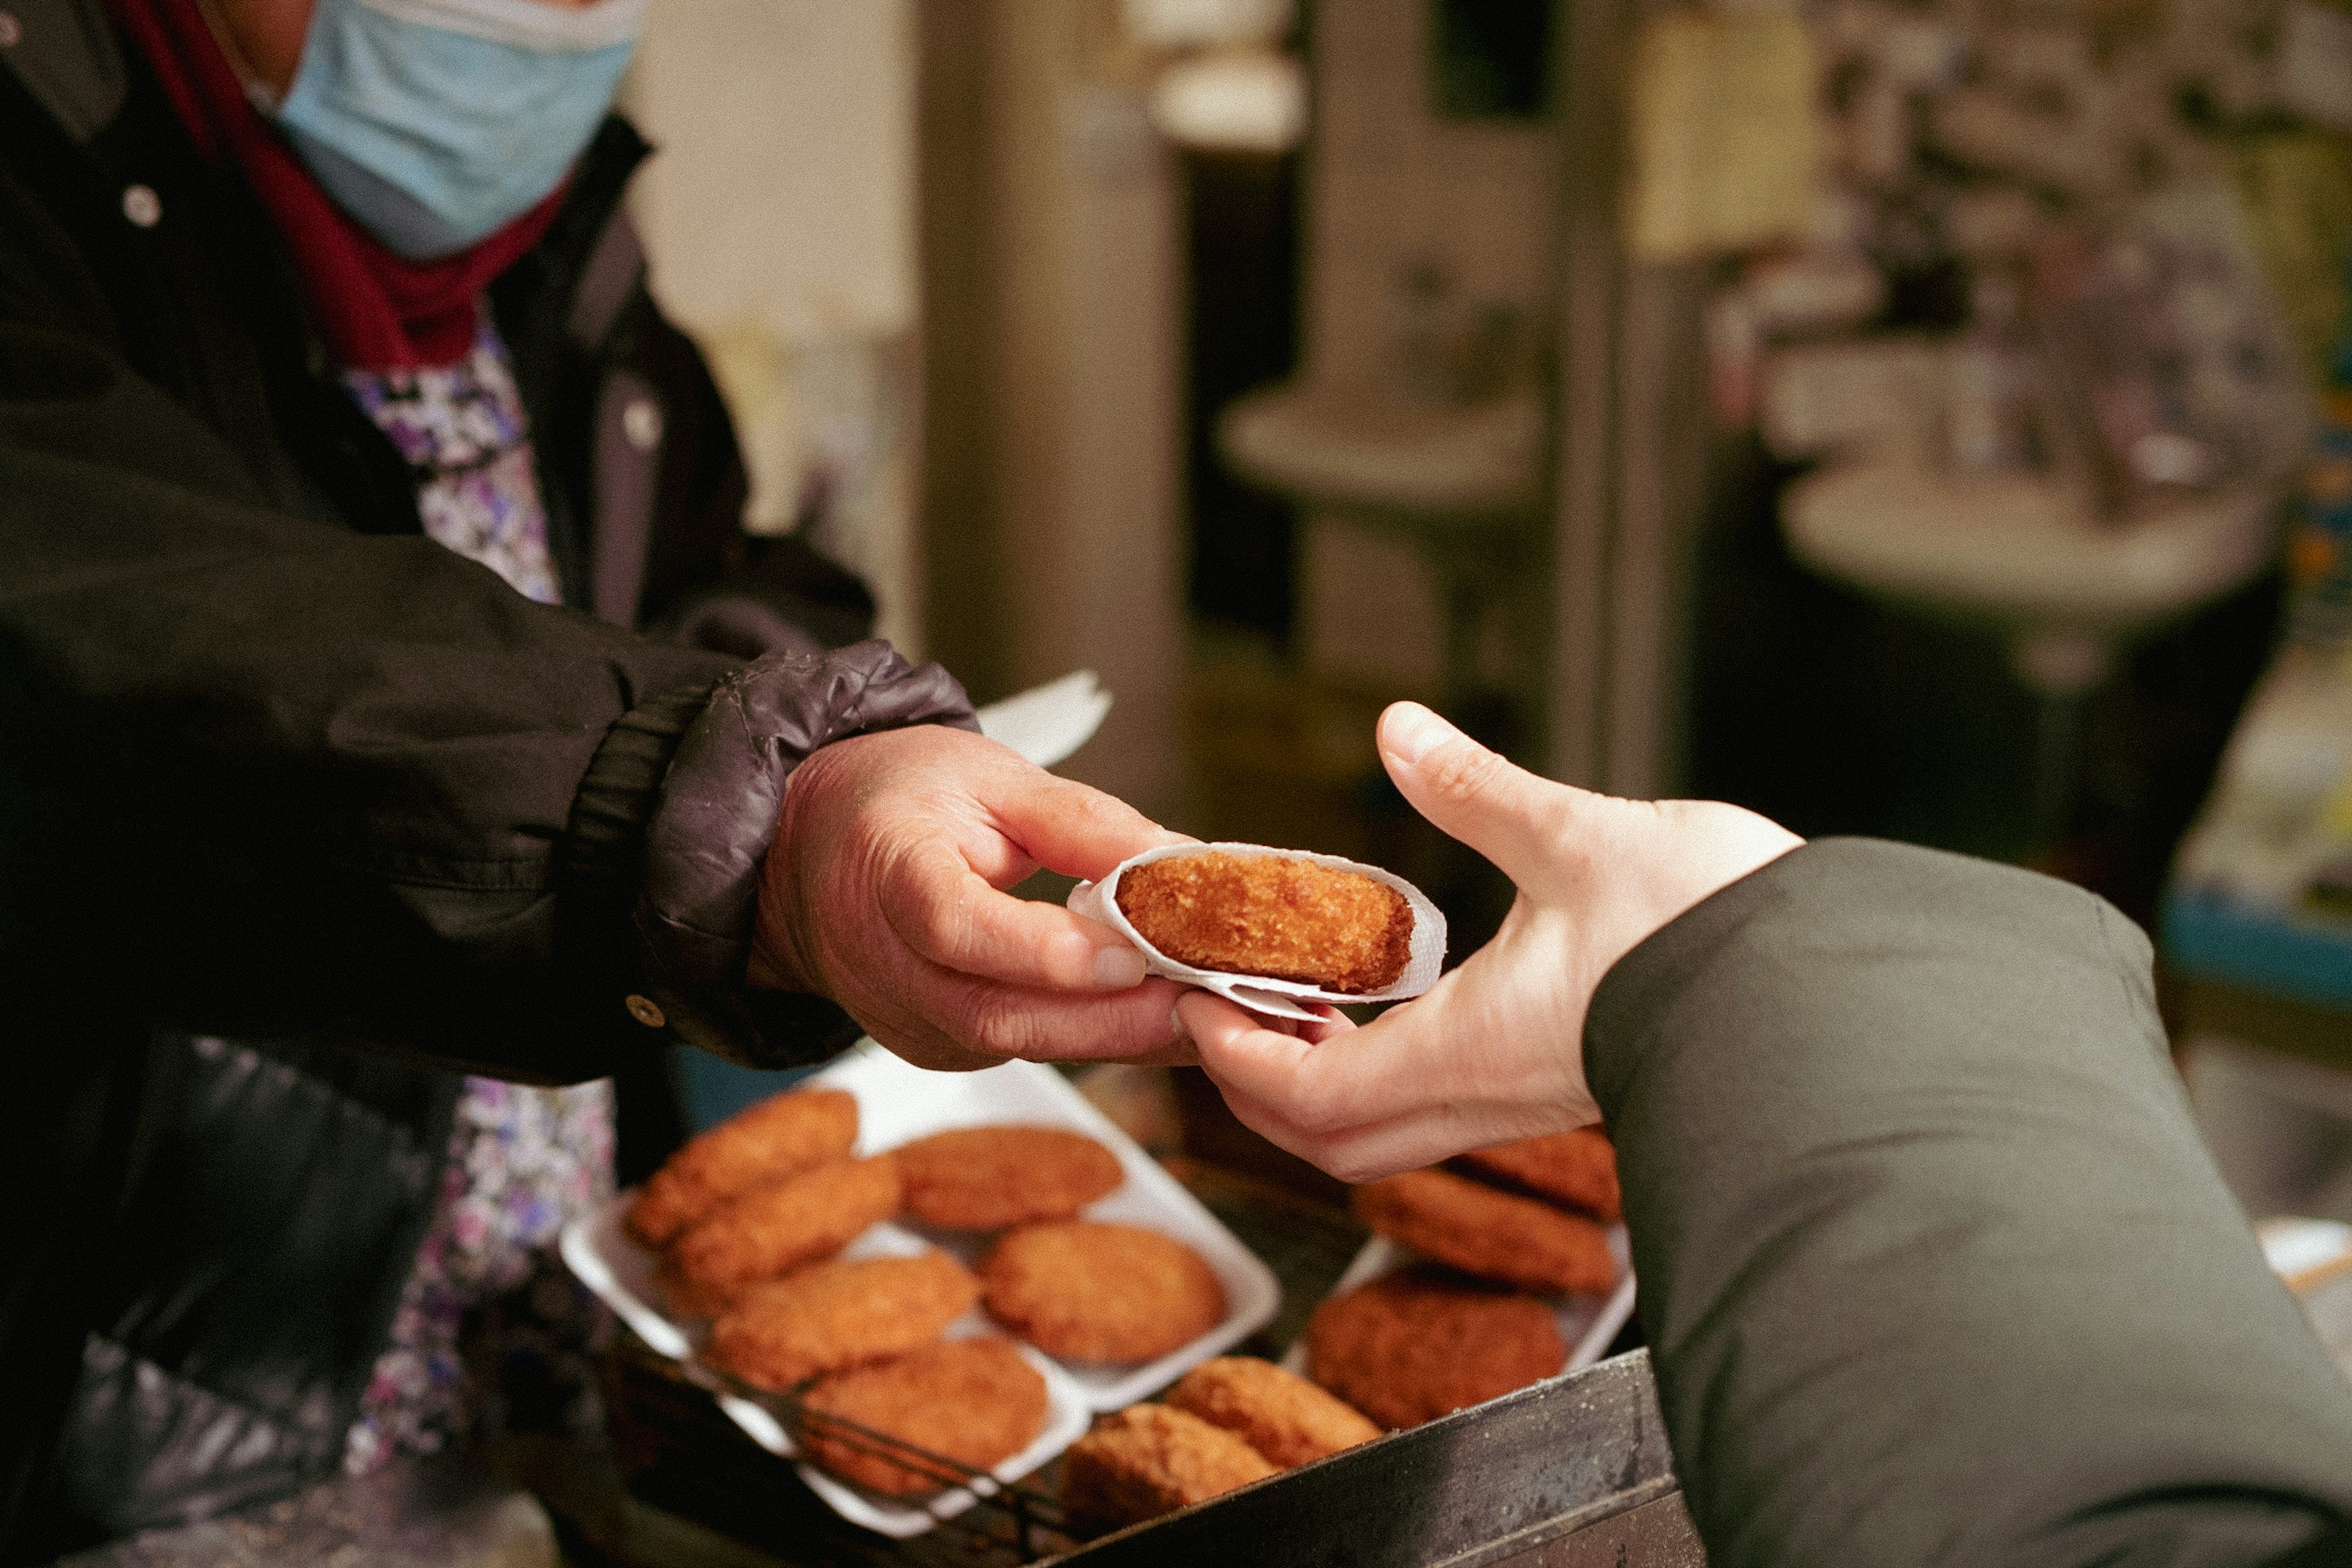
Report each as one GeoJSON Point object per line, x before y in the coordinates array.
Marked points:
{"type": "Point", "coordinates": [884, 891]}
{"type": "Point", "coordinates": [1495, 1051]}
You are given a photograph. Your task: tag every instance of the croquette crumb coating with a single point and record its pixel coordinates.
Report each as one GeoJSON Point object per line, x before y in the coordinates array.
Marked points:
{"type": "Point", "coordinates": [976, 1402]}
{"type": "Point", "coordinates": [1412, 1346]}
{"type": "Point", "coordinates": [770, 1229]}
{"type": "Point", "coordinates": [762, 1143]}
{"type": "Point", "coordinates": [1150, 1459]}
{"type": "Point", "coordinates": [1284, 1417]}
{"type": "Point", "coordinates": [685, 1299]}
{"type": "Point", "coordinates": [828, 1316]}
{"type": "Point", "coordinates": [1519, 1241]}
{"type": "Point", "coordinates": [1085, 1291]}
{"type": "Point", "coordinates": [1579, 1168]}
{"type": "Point", "coordinates": [1270, 915]}
{"type": "Point", "coordinates": [986, 1178]}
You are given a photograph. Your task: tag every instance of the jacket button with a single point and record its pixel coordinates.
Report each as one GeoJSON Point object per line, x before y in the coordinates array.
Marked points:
{"type": "Point", "coordinates": [12, 31]}
{"type": "Point", "coordinates": [141, 206]}
{"type": "Point", "coordinates": [641, 422]}
{"type": "Point", "coordinates": [644, 1011]}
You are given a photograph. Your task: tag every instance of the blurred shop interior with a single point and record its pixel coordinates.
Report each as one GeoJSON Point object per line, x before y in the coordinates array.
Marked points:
{"type": "Point", "coordinates": [1905, 419]}
{"type": "Point", "coordinates": [1922, 419]}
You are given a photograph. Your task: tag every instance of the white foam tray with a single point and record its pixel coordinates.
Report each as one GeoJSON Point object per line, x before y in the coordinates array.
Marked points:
{"type": "Point", "coordinates": [898, 1103]}
{"type": "Point", "coordinates": [1586, 1324]}
{"type": "Point", "coordinates": [611, 1263]}
{"type": "Point", "coordinates": [895, 1103]}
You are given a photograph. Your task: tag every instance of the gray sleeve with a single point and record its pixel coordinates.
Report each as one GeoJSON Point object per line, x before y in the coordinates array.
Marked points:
{"type": "Point", "coordinates": [1934, 1266]}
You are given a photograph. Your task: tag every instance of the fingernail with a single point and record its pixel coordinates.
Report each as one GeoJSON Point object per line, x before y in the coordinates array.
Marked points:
{"type": "Point", "coordinates": [1176, 1023]}
{"type": "Point", "coordinates": [1117, 968]}
{"type": "Point", "coordinates": [1413, 731]}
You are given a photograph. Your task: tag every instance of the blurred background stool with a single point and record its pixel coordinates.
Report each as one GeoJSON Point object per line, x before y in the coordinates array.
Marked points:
{"type": "Point", "coordinates": [2026, 557]}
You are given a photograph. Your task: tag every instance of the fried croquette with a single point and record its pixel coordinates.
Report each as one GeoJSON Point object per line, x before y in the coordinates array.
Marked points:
{"type": "Point", "coordinates": [975, 1402]}
{"type": "Point", "coordinates": [1578, 1169]}
{"type": "Point", "coordinates": [832, 1315]}
{"type": "Point", "coordinates": [685, 1299]}
{"type": "Point", "coordinates": [1150, 1459]}
{"type": "Point", "coordinates": [986, 1178]}
{"type": "Point", "coordinates": [1286, 1418]}
{"type": "Point", "coordinates": [1270, 915]}
{"type": "Point", "coordinates": [1101, 1292]}
{"type": "Point", "coordinates": [1519, 1241]}
{"type": "Point", "coordinates": [762, 1143]}
{"type": "Point", "coordinates": [764, 1232]}
{"type": "Point", "coordinates": [1411, 1346]}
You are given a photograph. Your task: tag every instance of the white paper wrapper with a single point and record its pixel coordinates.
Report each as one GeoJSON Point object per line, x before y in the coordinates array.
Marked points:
{"type": "Point", "coordinates": [1276, 998]}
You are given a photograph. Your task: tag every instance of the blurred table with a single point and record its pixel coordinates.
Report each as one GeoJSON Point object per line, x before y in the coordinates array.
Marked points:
{"type": "Point", "coordinates": [2256, 928]}
{"type": "Point", "coordinates": [2256, 937]}
{"type": "Point", "coordinates": [412, 1513]}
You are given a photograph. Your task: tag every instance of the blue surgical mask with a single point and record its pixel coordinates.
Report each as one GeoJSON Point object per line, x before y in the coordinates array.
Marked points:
{"type": "Point", "coordinates": [435, 123]}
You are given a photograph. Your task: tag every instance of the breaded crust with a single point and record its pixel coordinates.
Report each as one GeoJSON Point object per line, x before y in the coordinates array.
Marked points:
{"type": "Point", "coordinates": [1578, 1169]}
{"type": "Point", "coordinates": [1284, 1417]}
{"type": "Point", "coordinates": [769, 1229]}
{"type": "Point", "coordinates": [1495, 1235]}
{"type": "Point", "coordinates": [1411, 1346]}
{"type": "Point", "coordinates": [986, 1178]}
{"type": "Point", "coordinates": [832, 1315]}
{"type": "Point", "coordinates": [1148, 1459]}
{"type": "Point", "coordinates": [762, 1143]}
{"type": "Point", "coordinates": [1101, 1292]}
{"type": "Point", "coordinates": [685, 1299]}
{"type": "Point", "coordinates": [975, 1402]}
{"type": "Point", "coordinates": [1270, 915]}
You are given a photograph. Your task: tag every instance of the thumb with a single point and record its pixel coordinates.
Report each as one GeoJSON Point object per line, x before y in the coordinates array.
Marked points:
{"type": "Point", "coordinates": [1505, 813]}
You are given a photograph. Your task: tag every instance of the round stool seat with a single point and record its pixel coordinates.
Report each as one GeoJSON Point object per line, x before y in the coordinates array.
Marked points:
{"type": "Point", "coordinates": [2026, 555]}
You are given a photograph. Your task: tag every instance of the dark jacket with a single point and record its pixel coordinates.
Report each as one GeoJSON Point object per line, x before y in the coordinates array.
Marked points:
{"type": "Point", "coordinates": [1935, 1268]}
{"type": "Point", "coordinates": [299, 812]}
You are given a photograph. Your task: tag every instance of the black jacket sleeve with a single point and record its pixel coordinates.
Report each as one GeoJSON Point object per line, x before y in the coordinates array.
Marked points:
{"type": "Point", "coordinates": [268, 774]}
{"type": "Point", "coordinates": [1934, 1266]}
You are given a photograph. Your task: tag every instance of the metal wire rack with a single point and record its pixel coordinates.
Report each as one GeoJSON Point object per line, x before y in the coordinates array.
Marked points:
{"type": "Point", "coordinates": [1016, 1516]}
{"type": "Point", "coordinates": [679, 1452]}
{"type": "Point", "coordinates": [684, 1455]}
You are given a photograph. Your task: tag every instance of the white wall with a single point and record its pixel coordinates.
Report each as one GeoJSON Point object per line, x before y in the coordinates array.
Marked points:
{"type": "Point", "coordinates": [779, 218]}
{"type": "Point", "coordinates": [783, 190]}
{"type": "Point", "coordinates": [1390, 185]}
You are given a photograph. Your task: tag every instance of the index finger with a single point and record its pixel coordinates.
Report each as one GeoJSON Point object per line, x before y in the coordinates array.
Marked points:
{"type": "Point", "coordinates": [950, 915]}
{"type": "Point", "coordinates": [1072, 828]}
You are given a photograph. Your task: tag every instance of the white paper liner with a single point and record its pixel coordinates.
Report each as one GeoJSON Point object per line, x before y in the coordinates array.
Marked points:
{"type": "Point", "coordinates": [1276, 998]}
{"type": "Point", "coordinates": [1046, 723]}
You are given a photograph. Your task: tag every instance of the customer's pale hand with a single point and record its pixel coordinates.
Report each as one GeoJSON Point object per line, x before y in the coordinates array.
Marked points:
{"type": "Point", "coordinates": [883, 891]}
{"type": "Point", "coordinates": [1495, 1051]}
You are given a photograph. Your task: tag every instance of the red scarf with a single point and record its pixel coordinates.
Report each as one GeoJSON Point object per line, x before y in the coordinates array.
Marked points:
{"type": "Point", "coordinates": [376, 310]}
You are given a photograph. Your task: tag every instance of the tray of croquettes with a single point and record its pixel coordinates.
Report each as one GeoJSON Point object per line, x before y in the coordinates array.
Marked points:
{"type": "Point", "coordinates": [984, 1266]}
{"type": "Point", "coordinates": [975, 1264]}
{"type": "Point", "coordinates": [924, 1286]}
